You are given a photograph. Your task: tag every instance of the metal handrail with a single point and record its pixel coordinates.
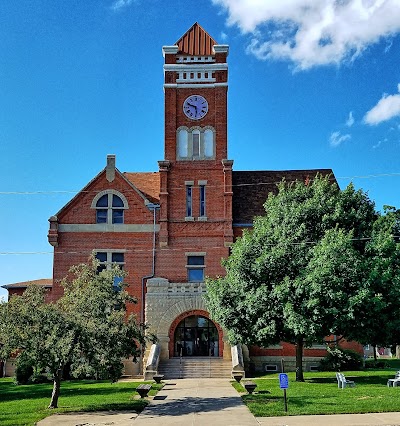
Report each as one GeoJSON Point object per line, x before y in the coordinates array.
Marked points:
{"type": "Point", "coordinates": [180, 363]}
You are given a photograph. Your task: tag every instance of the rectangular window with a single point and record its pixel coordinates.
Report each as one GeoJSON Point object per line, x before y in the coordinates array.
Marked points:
{"type": "Point", "coordinates": [189, 199]}
{"type": "Point", "coordinates": [101, 216]}
{"type": "Point", "coordinates": [195, 268]}
{"type": "Point", "coordinates": [196, 144]}
{"type": "Point", "coordinates": [117, 216]}
{"type": "Point", "coordinates": [202, 200]}
{"type": "Point", "coordinates": [107, 259]}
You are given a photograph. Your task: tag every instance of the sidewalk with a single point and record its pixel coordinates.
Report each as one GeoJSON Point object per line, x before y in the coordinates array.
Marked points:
{"type": "Point", "coordinates": [209, 402]}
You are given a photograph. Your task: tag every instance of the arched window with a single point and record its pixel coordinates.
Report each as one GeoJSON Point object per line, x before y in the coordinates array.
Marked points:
{"type": "Point", "coordinates": [110, 207]}
{"type": "Point", "coordinates": [182, 143]}
{"type": "Point", "coordinates": [208, 143]}
{"type": "Point", "coordinates": [195, 143]}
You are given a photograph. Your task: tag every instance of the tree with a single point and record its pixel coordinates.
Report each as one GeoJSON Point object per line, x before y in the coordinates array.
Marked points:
{"type": "Point", "coordinates": [86, 329]}
{"type": "Point", "coordinates": [380, 325]}
{"type": "Point", "coordinates": [297, 275]}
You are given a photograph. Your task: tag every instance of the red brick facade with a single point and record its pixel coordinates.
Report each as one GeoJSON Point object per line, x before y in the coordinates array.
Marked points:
{"type": "Point", "coordinates": [191, 68]}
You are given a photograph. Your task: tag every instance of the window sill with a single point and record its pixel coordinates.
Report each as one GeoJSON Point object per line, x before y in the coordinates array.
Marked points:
{"type": "Point", "coordinates": [189, 219]}
{"type": "Point", "coordinates": [202, 219]}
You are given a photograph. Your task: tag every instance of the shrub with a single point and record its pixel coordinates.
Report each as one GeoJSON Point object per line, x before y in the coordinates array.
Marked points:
{"type": "Point", "coordinates": [371, 363]}
{"type": "Point", "coordinates": [339, 359]}
{"type": "Point", "coordinates": [38, 378]}
{"type": "Point", "coordinates": [23, 370]}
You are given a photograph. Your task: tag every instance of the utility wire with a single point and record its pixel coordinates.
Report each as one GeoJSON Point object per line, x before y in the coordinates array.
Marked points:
{"type": "Point", "coordinates": [159, 250]}
{"type": "Point", "coordinates": [44, 192]}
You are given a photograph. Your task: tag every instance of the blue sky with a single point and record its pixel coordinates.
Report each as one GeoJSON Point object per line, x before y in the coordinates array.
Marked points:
{"type": "Point", "coordinates": [311, 85]}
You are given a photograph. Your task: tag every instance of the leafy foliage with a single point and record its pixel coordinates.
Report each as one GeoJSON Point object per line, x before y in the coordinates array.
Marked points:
{"type": "Point", "coordinates": [86, 329]}
{"type": "Point", "coordinates": [339, 359]}
{"type": "Point", "coordinates": [301, 273]}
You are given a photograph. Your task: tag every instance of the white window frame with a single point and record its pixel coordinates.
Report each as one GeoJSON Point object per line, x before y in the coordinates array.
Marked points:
{"type": "Point", "coordinates": [202, 200]}
{"type": "Point", "coordinates": [196, 267]}
{"type": "Point", "coordinates": [108, 263]}
{"type": "Point", "coordinates": [109, 207]}
{"type": "Point", "coordinates": [189, 200]}
{"type": "Point", "coordinates": [185, 147]}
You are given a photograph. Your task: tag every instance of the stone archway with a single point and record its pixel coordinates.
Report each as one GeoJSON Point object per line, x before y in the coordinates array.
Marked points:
{"type": "Point", "coordinates": [184, 315]}
{"type": "Point", "coordinates": [167, 304]}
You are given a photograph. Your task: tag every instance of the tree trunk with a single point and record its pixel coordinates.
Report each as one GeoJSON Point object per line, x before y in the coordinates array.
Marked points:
{"type": "Point", "coordinates": [374, 348]}
{"type": "Point", "coordinates": [56, 389]}
{"type": "Point", "coordinates": [299, 359]}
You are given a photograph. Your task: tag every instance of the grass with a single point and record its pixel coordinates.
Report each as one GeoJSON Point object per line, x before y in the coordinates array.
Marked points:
{"type": "Point", "coordinates": [319, 394]}
{"type": "Point", "coordinates": [27, 404]}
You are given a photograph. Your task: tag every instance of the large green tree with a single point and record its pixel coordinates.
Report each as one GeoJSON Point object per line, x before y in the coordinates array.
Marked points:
{"type": "Point", "coordinates": [87, 329]}
{"type": "Point", "coordinates": [380, 323]}
{"type": "Point", "coordinates": [298, 275]}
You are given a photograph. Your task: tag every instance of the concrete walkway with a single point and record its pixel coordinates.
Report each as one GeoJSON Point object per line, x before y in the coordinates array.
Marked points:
{"type": "Point", "coordinates": [209, 402]}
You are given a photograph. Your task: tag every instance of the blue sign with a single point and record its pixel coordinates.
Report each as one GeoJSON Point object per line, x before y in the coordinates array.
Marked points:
{"type": "Point", "coordinates": [283, 381]}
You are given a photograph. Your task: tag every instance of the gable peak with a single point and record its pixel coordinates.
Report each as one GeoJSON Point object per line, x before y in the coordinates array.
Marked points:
{"type": "Point", "coordinates": [196, 42]}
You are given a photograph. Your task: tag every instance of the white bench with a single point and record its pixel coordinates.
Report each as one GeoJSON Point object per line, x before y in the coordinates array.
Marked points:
{"type": "Point", "coordinates": [343, 382]}
{"type": "Point", "coordinates": [394, 382]}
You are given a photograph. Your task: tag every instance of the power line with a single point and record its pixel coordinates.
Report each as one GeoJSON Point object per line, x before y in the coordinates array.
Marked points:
{"type": "Point", "coordinates": [150, 250]}
{"type": "Point", "coordinates": [47, 192]}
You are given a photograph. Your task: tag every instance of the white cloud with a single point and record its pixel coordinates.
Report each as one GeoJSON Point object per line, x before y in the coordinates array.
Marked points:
{"type": "Point", "coordinates": [224, 36]}
{"type": "Point", "coordinates": [379, 143]}
{"type": "Point", "coordinates": [350, 120]}
{"type": "Point", "coordinates": [387, 108]}
{"type": "Point", "coordinates": [120, 4]}
{"type": "Point", "coordinates": [388, 45]}
{"type": "Point", "coordinates": [337, 138]}
{"type": "Point", "coordinates": [313, 32]}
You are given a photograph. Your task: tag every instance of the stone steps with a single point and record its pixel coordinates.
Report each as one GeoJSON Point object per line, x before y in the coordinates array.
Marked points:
{"type": "Point", "coordinates": [192, 367]}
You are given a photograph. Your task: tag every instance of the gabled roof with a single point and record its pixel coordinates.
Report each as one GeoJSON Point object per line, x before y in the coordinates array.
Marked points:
{"type": "Point", "coordinates": [196, 42]}
{"type": "Point", "coordinates": [148, 183]}
{"type": "Point", "coordinates": [251, 189]}
{"type": "Point", "coordinates": [85, 188]}
{"type": "Point", "coordinates": [43, 282]}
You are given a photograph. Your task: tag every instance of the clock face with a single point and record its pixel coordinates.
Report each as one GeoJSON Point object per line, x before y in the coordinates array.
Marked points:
{"type": "Point", "coordinates": [195, 107]}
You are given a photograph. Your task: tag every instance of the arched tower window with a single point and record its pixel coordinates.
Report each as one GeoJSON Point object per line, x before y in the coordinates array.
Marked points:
{"type": "Point", "coordinates": [110, 206]}
{"type": "Point", "coordinates": [183, 141]}
{"type": "Point", "coordinates": [208, 143]}
{"type": "Point", "coordinates": [195, 144]}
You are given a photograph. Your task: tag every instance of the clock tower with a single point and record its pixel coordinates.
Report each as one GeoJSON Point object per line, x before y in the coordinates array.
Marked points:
{"type": "Point", "coordinates": [195, 175]}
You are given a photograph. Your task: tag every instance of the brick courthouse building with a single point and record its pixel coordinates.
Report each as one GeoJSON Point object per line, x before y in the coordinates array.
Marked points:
{"type": "Point", "coordinates": [169, 229]}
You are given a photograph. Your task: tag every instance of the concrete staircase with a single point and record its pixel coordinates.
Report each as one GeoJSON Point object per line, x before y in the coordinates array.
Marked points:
{"type": "Point", "coordinates": [195, 367]}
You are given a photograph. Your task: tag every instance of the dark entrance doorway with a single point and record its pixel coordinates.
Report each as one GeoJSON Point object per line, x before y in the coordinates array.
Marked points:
{"type": "Point", "coordinates": [196, 336]}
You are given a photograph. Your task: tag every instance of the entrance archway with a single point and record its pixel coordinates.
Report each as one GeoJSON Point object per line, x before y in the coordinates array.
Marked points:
{"type": "Point", "coordinates": [194, 334]}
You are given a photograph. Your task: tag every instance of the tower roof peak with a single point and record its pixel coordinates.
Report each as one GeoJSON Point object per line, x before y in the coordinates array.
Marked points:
{"type": "Point", "coordinates": [196, 42]}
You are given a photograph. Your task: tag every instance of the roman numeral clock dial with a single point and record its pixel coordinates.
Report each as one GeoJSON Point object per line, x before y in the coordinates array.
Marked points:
{"type": "Point", "coordinates": [195, 107]}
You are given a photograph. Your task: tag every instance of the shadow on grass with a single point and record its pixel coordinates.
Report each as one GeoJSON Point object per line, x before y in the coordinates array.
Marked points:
{"type": "Point", "coordinates": [9, 391]}
{"type": "Point", "coordinates": [260, 399]}
{"type": "Point", "coordinates": [362, 380]}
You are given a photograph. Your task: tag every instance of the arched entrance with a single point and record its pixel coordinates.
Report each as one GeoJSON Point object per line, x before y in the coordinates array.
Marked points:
{"type": "Point", "coordinates": [194, 334]}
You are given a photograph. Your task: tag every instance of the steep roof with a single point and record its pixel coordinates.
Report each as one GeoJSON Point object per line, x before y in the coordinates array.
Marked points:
{"type": "Point", "coordinates": [251, 189]}
{"type": "Point", "coordinates": [43, 282]}
{"type": "Point", "coordinates": [148, 183]}
{"type": "Point", "coordinates": [196, 42]}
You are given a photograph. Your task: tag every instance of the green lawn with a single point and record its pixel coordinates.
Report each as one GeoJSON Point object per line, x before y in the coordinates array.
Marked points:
{"type": "Point", "coordinates": [25, 405]}
{"type": "Point", "coordinates": [319, 394]}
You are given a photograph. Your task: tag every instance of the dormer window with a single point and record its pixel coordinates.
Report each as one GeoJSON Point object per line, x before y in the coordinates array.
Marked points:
{"type": "Point", "coordinates": [110, 206]}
